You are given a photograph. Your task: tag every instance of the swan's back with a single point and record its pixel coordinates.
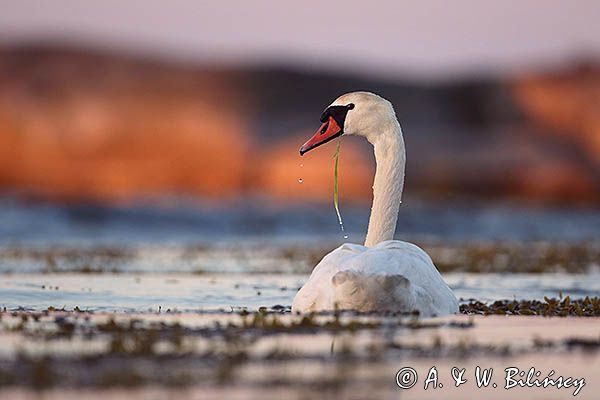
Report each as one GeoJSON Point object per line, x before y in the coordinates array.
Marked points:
{"type": "Point", "coordinates": [391, 276]}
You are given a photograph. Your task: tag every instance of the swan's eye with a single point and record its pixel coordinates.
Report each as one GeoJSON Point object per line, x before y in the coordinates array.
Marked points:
{"type": "Point", "coordinates": [337, 113]}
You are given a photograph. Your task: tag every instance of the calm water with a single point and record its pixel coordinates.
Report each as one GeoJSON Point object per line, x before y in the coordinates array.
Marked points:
{"type": "Point", "coordinates": [201, 261]}
{"type": "Point", "coordinates": [184, 222]}
{"type": "Point", "coordinates": [193, 258]}
{"type": "Point", "coordinates": [224, 292]}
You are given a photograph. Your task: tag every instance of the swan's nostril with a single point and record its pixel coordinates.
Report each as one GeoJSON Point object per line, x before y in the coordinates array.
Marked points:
{"type": "Point", "coordinates": [324, 128]}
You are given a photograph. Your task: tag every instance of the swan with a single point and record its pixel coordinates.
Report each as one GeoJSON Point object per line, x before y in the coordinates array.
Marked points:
{"type": "Point", "coordinates": [384, 275]}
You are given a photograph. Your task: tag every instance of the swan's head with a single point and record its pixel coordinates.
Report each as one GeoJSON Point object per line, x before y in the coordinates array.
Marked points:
{"type": "Point", "coordinates": [357, 113]}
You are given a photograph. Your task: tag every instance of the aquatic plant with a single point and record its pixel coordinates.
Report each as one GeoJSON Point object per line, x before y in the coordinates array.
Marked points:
{"type": "Point", "coordinates": [336, 203]}
{"type": "Point", "coordinates": [586, 307]}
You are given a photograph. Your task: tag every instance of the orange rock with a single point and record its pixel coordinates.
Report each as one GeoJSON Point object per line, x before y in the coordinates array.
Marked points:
{"type": "Point", "coordinates": [568, 102]}
{"type": "Point", "coordinates": [86, 128]}
{"type": "Point", "coordinates": [554, 179]}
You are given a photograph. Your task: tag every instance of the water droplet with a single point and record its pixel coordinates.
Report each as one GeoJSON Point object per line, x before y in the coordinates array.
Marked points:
{"type": "Point", "coordinates": [346, 236]}
{"type": "Point", "coordinates": [301, 165]}
{"type": "Point", "coordinates": [300, 180]}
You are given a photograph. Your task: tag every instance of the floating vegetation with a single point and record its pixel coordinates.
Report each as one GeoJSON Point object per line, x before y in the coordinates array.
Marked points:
{"type": "Point", "coordinates": [550, 307]}
{"type": "Point", "coordinates": [493, 257]}
{"type": "Point", "coordinates": [571, 343]}
{"type": "Point", "coordinates": [461, 349]}
{"type": "Point", "coordinates": [583, 344]}
{"type": "Point", "coordinates": [311, 322]}
{"type": "Point", "coordinates": [530, 257]}
{"type": "Point", "coordinates": [179, 350]}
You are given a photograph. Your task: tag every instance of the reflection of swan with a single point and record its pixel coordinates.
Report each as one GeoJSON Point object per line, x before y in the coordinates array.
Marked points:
{"type": "Point", "coordinates": [384, 274]}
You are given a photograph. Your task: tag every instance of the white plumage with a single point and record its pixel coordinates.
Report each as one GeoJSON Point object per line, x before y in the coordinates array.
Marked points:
{"type": "Point", "coordinates": [384, 274]}
{"type": "Point", "coordinates": [392, 276]}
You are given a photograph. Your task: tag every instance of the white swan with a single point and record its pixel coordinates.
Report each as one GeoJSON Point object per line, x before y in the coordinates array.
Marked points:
{"type": "Point", "coordinates": [384, 274]}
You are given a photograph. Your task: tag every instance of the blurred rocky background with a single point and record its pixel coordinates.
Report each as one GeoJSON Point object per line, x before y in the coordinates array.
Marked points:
{"type": "Point", "coordinates": [89, 125]}
{"type": "Point", "coordinates": [83, 118]}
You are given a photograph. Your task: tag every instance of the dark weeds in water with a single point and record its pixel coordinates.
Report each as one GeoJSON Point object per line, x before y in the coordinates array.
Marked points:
{"type": "Point", "coordinates": [463, 349]}
{"type": "Point", "coordinates": [583, 344]}
{"type": "Point", "coordinates": [521, 258]}
{"type": "Point", "coordinates": [531, 257]}
{"type": "Point", "coordinates": [133, 336]}
{"type": "Point", "coordinates": [220, 363]}
{"type": "Point", "coordinates": [573, 343]}
{"type": "Point", "coordinates": [586, 307]}
{"type": "Point", "coordinates": [98, 259]}
{"type": "Point", "coordinates": [143, 351]}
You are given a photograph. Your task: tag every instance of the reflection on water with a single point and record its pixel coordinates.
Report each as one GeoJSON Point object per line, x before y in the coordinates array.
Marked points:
{"type": "Point", "coordinates": [148, 262]}
{"type": "Point", "coordinates": [226, 292]}
{"type": "Point", "coordinates": [193, 258]}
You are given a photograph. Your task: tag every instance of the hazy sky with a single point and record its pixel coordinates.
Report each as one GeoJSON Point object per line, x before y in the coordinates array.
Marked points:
{"type": "Point", "coordinates": [427, 38]}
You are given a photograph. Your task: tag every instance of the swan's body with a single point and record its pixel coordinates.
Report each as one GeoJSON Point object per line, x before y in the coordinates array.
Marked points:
{"type": "Point", "coordinates": [384, 274]}
{"type": "Point", "coordinates": [391, 276]}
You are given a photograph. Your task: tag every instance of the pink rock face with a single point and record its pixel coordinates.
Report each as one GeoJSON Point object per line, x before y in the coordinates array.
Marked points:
{"type": "Point", "coordinates": [568, 102]}
{"type": "Point", "coordinates": [81, 127]}
{"type": "Point", "coordinates": [564, 106]}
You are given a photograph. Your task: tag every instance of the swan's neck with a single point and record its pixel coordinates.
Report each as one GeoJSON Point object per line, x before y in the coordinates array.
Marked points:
{"type": "Point", "coordinates": [390, 158]}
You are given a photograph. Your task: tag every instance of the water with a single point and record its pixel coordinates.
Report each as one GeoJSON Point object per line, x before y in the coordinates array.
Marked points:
{"type": "Point", "coordinates": [190, 266]}
{"type": "Point", "coordinates": [226, 292]}
{"type": "Point", "coordinates": [181, 221]}
{"type": "Point", "coordinates": [192, 257]}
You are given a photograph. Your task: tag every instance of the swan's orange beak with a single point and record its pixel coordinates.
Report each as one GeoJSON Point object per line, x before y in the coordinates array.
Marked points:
{"type": "Point", "coordinates": [328, 131]}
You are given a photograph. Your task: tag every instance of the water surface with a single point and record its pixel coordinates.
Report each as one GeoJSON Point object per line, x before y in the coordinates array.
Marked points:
{"type": "Point", "coordinates": [226, 292]}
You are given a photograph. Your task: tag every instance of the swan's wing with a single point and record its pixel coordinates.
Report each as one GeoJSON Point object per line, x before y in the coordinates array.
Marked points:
{"type": "Point", "coordinates": [410, 261]}
{"type": "Point", "coordinates": [392, 275]}
{"type": "Point", "coordinates": [316, 292]}
{"type": "Point", "coordinates": [356, 290]}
